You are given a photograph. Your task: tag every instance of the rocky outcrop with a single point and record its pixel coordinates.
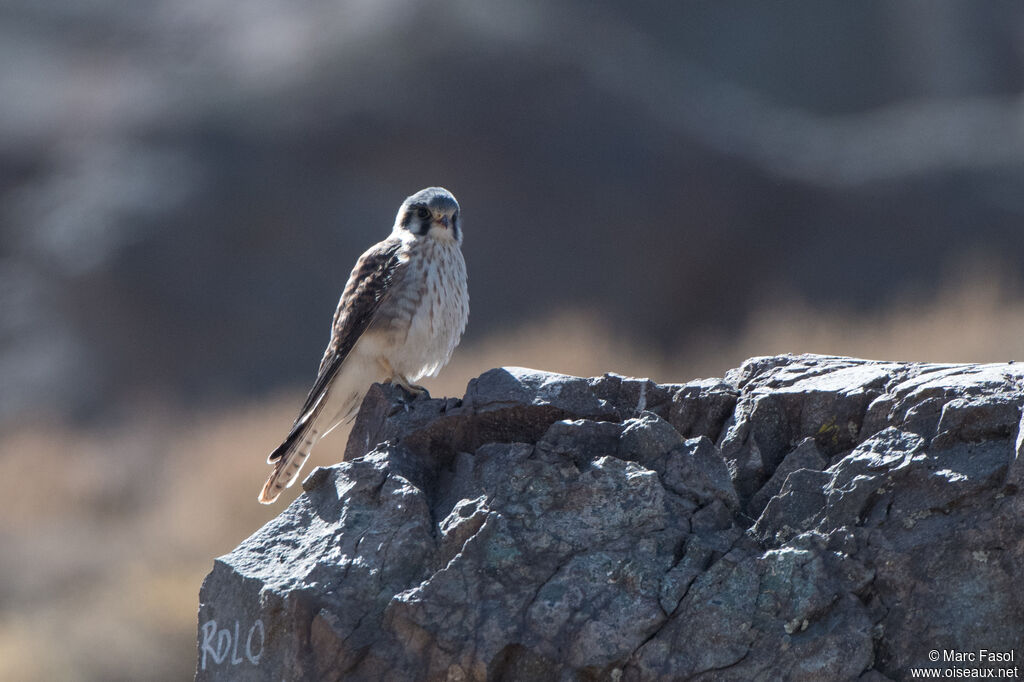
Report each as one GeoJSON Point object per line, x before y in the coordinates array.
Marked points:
{"type": "Point", "coordinates": [805, 518]}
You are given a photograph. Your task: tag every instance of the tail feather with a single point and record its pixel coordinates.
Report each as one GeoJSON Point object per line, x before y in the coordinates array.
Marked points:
{"type": "Point", "coordinates": [311, 426]}
{"type": "Point", "coordinates": [288, 459]}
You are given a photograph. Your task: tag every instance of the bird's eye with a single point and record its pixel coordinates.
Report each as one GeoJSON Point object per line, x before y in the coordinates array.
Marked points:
{"type": "Point", "coordinates": [422, 213]}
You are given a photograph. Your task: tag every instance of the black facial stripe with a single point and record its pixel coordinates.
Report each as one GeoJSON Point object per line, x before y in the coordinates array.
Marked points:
{"type": "Point", "coordinates": [412, 222]}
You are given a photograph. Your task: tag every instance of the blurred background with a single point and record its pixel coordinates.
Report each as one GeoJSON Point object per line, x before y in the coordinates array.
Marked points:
{"type": "Point", "coordinates": [656, 189]}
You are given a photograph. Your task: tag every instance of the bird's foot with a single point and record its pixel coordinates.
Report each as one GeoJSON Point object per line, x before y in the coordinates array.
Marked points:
{"type": "Point", "coordinates": [412, 392]}
{"type": "Point", "coordinates": [416, 390]}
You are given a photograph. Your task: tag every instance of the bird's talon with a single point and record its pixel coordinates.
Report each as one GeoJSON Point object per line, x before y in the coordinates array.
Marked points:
{"type": "Point", "coordinates": [412, 391]}
{"type": "Point", "coordinates": [404, 403]}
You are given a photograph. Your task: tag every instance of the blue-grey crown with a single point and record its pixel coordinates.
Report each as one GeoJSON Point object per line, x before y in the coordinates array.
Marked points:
{"type": "Point", "coordinates": [437, 198]}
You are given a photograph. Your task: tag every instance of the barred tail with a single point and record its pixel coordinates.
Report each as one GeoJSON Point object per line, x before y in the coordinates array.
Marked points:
{"type": "Point", "coordinates": [288, 459]}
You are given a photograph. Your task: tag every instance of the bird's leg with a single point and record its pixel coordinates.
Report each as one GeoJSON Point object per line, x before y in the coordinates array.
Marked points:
{"type": "Point", "coordinates": [389, 377]}
{"type": "Point", "coordinates": [386, 370]}
{"type": "Point", "coordinates": [412, 389]}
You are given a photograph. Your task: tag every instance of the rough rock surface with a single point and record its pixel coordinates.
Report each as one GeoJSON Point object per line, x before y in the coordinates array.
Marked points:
{"type": "Point", "coordinates": [805, 518]}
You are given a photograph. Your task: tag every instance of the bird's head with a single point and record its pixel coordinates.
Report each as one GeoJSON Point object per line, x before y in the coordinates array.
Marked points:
{"type": "Point", "coordinates": [431, 213]}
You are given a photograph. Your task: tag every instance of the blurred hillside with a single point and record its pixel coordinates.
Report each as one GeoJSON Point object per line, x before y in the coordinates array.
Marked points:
{"type": "Point", "coordinates": [184, 184]}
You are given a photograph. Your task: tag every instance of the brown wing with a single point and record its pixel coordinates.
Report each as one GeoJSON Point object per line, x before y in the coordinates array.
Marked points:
{"type": "Point", "coordinates": [368, 285]}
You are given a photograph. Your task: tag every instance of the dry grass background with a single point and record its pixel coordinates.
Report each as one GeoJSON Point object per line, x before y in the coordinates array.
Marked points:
{"type": "Point", "coordinates": [107, 534]}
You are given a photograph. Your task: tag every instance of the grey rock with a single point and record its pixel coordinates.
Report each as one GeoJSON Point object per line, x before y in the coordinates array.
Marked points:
{"type": "Point", "coordinates": [710, 629]}
{"type": "Point", "coordinates": [917, 393]}
{"type": "Point", "coordinates": [695, 470]}
{"type": "Point", "coordinates": [701, 408]}
{"type": "Point", "coordinates": [507, 405]}
{"type": "Point", "coordinates": [977, 419]}
{"type": "Point", "coordinates": [805, 456]}
{"type": "Point", "coordinates": [805, 518]}
{"type": "Point", "coordinates": [387, 414]}
{"type": "Point", "coordinates": [630, 396]}
{"type": "Point", "coordinates": [511, 387]}
{"type": "Point", "coordinates": [788, 398]}
{"type": "Point", "coordinates": [647, 440]}
{"type": "Point", "coordinates": [795, 508]}
{"type": "Point", "coordinates": [874, 676]}
{"type": "Point", "coordinates": [582, 439]}
{"type": "Point", "coordinates": [678, 579]}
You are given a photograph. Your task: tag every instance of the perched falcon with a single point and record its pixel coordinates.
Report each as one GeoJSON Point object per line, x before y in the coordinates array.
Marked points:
{"type": "Point", "coordinates": [401, 315]}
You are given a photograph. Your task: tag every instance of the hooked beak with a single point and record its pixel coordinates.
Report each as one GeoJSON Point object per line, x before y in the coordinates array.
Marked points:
{"type": "Point", "coordinates": [443, 220]}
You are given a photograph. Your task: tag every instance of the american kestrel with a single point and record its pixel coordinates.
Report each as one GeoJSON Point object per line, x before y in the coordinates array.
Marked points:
{"type": "Point", "coordinates": [400, 316]}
